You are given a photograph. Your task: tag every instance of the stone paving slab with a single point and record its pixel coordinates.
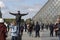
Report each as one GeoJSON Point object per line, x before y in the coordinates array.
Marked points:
{"type": "Point", "coordinates": [44, 35]}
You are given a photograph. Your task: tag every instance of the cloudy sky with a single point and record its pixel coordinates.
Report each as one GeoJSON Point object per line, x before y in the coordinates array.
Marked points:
{"type": "Point", "coordinates": [24, 6]}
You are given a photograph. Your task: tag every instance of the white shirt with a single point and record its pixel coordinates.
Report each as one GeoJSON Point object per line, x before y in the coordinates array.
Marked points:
{"type": "Point", "coordinates": [13, 30]}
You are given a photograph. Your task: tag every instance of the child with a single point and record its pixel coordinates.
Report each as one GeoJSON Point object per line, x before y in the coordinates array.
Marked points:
{"type": "Point", "coordinates": [13, 30]}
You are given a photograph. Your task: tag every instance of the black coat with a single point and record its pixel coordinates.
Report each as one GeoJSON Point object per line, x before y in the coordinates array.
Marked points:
{"type": "Point", "coordinates": [37, 27]}
{"type": "Point", "coordinates": [51, 26]}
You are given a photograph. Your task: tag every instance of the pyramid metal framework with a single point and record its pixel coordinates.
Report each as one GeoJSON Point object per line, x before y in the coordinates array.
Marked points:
{"type": "Point", "coordinates": [49, 12]}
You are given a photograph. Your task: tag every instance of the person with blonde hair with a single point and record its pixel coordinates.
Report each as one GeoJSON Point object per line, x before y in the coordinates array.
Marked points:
{"type": "Point", "coordinates": [13, 27]}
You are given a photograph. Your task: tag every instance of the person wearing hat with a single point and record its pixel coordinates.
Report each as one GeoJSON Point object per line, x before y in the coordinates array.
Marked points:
{"type": "Point", "coordinates": [3, 30]}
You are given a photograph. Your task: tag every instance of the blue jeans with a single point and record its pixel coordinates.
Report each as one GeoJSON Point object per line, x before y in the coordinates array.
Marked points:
{"type": "Point", "coordinates": [14, 38]}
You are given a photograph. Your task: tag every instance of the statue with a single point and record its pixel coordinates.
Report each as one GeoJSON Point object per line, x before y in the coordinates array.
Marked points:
{"type": "Point", "coordinates": [18, 20]}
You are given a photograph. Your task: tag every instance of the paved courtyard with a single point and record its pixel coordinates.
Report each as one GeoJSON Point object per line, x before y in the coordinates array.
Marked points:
{"type": "Point", "coordinates": [44, 35]}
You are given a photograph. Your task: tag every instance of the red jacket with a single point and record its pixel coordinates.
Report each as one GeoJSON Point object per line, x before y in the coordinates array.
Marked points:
{"type": "Point", "coordinates": [3, 31]}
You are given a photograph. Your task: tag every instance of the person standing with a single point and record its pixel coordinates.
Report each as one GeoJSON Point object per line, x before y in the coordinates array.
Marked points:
{"type": "Point", "coordinates": [25, 27]}
{"type": "Point", "coordinates": [55, 29]}
{"type": "Point", "coordinates": [51, 26]}
{"type": "Point", "coordinates": [3, 30]}
{"type": "Point", "coordinates": [21, 29]}
{"type": "Point", "coordinates": [42, 26]}
{"type": "Point", "coordinates": [58, 27]}
{"type": "Point", "coordinates": [37, 29]}
{"type": "Point", "coordinates": [30, 28]}
{"type": "Point", "coordinates": [47, 26]}
{"type": "Point", "coordinates": [13, 30]}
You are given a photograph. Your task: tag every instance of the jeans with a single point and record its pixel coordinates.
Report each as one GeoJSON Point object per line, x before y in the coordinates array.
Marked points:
{"type": "Point", "coordinates": [14, 38]}
{"type": "Point", "coordinates": [37, 34]}
{"type": "Point", "coordinates": [51, 33]}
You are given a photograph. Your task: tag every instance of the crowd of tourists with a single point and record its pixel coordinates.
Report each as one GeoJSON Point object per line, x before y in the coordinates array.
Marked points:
{"type": "Point", "coordinates": [29, 28]}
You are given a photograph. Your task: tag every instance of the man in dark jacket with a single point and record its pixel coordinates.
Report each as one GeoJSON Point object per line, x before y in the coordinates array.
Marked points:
{"type": "Point", "coordinates": [51, 29]}
{"type": "Point", "coordinates": [25, 27]}
{"type": "Point", "coordinates": [37, 29]}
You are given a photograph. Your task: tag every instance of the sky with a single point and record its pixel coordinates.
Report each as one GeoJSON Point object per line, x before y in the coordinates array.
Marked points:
{"type": "Point", "coordinates": [24, 6]}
